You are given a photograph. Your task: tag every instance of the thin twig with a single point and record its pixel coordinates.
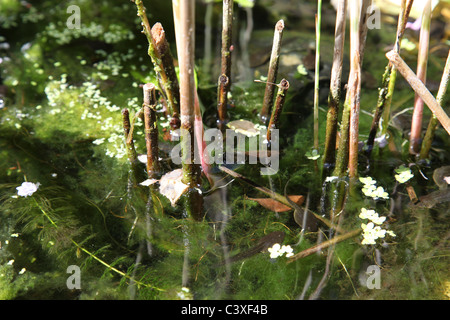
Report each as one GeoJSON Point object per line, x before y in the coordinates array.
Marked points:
{"type": "Point", "coordinates": [325, 244]}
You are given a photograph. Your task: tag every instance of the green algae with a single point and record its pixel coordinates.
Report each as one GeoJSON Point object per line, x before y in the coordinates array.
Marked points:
{"type": "Point", "coordinates": [61, 127]}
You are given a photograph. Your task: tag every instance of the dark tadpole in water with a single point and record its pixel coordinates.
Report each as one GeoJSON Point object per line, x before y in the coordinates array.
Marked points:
{"type": "Point", "coordinates": [263, 244]}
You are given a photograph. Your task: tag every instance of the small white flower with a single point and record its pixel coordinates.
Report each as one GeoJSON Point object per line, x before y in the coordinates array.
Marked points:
{"type": "Point", "coordinates": [403, 174]}
{"type": "Point", "coordinates": [27, 189]}
{"type": "Point", "coordinates": [391, 233]}
{"type": "Point", "coordinates": [380, 193]}
{"type": "Point", "coordinates": [274, 251]}
{"type": "Point", "coordinates": [277, 251]}
{"type": "Point", "coordinates": [98, 141]}
{"type": "Point", "coordinates": [22, 271]}
{"type": "Point", "coordinates": [367, 181]}
{"type": "Point", "coordinates": [331, 179]}
{"type": "Point", "coordinates": [10, 262]}
{"type": "Point", "coordinates": [372, 216]}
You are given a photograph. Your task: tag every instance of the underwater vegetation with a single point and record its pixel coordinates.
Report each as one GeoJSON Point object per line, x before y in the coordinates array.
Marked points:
{"type": "Point", "coordinates": [224, 149]}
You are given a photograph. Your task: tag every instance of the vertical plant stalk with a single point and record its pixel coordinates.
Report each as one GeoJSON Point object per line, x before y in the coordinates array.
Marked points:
{"type": "Point", "coordinates": [184, 13]}
{"type": "Point", "coordinates": [354, 88]}
{"type": "Point", "coordinates": [279, 102]}
{"type": "Point", "coordinates": [224, 84]}
{"type": "Point", "coordinates": [222, 99]}
{"type": "Point", "coordinates": [335, 87]}
{"type": "Point", "coordinates": [388, 82]}
{"type": "Point", "coordinates": [347, 155]}
{"type": "Point", "coordinates": [420, 89]}
{"type": "Point", "coordinates": [432, 125]}
{"type": "Point", "coordinates": [207, 58]}
{"type": "Point", "coordinates": [318, 19]}
{"type": "Point", "coordinates": [392, 78]}
{"type": "Point", "coordinates": [151, 130]}
{"type": "Point", "coordinates": [131, 151]}
{"type": "Point", "coordinates": [422, 60]}
{"type": "Point", "coordinates": [159, 52]}
{"type": "Point", "coordinates": [272, 73]}
{"type": "Point", "coordinates": [171, 85]}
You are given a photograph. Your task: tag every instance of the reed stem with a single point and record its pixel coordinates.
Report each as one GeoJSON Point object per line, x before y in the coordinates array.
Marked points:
{"type": "Point", "coordinates": [171, 85]}
{"type": "Point", "coordinates": [158, 50]}
{"type": "Point", "coordinates": [354, 87]}
{"type": "Point", "coordinates": [318, 18]}
{"type": "Point", "coordinates": [151, 130]}
{"type": "Point", "coordinates": [422, 60]}
{"type": "Point", "coordinates": [420, 89]}
{"type": "Point", "coordinates": [432, 125]}
{"type": "Point", "coordinates": [184, 14]}
{"type": "Point", "coordinates": [388, 82]}
{"type": "Point", "coordinates": [224, 84]}
{"type": "Point", "coordinates": [335, 88]}
{"type": "Point", "coordinates": [131, 150]}
{"type": "Point", "coordinates": [272, 73]}
{"type": "Point", "coordinates": [279, 103]}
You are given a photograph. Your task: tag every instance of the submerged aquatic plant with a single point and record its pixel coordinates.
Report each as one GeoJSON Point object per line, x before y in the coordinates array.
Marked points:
{"type": "Point", "coordinates": [152, 246]}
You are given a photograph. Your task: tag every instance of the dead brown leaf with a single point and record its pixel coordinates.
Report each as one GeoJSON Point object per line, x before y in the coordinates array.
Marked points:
{"type": "Point", "coordinates": [277, 206]}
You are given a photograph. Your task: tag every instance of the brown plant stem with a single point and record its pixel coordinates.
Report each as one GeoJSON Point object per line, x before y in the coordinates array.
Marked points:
{"type": "Point", "coordinates": [171, 85]}
{"type": "Point", "coordinates": [151, 130]}
{"type": "Point", "coordinates": [279, 103]}
{"type": "Point", "coordinates": [224, 84]}
{"type": "Point", "coordinates": [422, 61]}
{"type": "Point", "coordinates": [335, 87]}
{"type": "Point", "coordinates": [318, 19]}
{"type": "Point", "coordinates": [420, 89]}
{"type": "Point", "coordinates": [389, 77]}
{"type": "Point", "coordinates": [131, 151]}
{"type": "Point", "coordinates": [432, 125]}
{"type": "Point", "coordinates": [354, 86]}
{"type": "Point", "coordinates": [222, 100]}
{"type": "Point", "coordinates": [158, 50]}
{"type": "Point", "coordinates": [324, 245]}
{"type": "Point", "coordinates": [272, 73]}
{"type": "Point", "coordinates": [184, 13]}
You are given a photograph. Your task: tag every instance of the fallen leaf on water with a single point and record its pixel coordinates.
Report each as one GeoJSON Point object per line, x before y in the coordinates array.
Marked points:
{"type": "Point", "coordinates": [148, 182]}
{"type": "Point", "coordinates": [245, 127]}
{"type": "Point", "coordinates": [277, 206]}
{"type": "Point", "coordinates": [171, 185]}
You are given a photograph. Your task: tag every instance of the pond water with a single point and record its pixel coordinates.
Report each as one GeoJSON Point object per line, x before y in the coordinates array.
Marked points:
{"type": "Point", "coordinates": [76, 224]}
